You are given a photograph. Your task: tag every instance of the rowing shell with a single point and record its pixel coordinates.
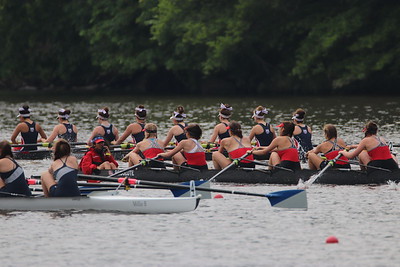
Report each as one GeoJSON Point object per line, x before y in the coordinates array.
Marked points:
{"type": "Point", "coordinates": [47, 154]}
{"type": "Point", "coordinates": [106, 203]}
{"type": "Point", "coordinates": [254, 176]}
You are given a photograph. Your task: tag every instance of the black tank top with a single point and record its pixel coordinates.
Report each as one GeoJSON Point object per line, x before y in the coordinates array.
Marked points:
{"type": "Point", "coordinates": [304, 138]}
{"type": "Point", "coordinates": [69, 135]}
{"type": "Point", "coordinates": [265, 138]}
{"type": "Point", "coordinates": [66, 178]}
{"type": "Point", "coordinates": [225, 134]}
{"type": "Point", "coordinates": [140, 135]}
{"type": "Point", "coordinates": [30, 137]}
{"type": "Point", "coordinates": [108, 133]}
{"type": "Point", "coordinates": [181, 136]}
{"type": "Point", "coordinates": [15, 181]}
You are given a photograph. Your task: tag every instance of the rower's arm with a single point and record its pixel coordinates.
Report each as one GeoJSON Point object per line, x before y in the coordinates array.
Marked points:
{"type": "Point", "coordinates": [214, 135]}
{"type": "Point", "coordinates": [53, 135]}
{"type": "Point", "coordinates": [265, 150]}
{"type": "Point", "coordinates": [178, 148]}
{"type": "Point", "coordinates": [14, 135]}
{"type": "Point", "coordinates": [41, 132]}
{"type": "Point", "coordinates": [168, 138]}
{"type": "Point", "coordinates": [125, 135]}
{"type": "Point", "coordinates": [115, 132]}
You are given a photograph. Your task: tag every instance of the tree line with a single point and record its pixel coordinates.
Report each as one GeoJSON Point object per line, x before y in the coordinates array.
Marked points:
{"type": "Point", "coordinates": [201, 47]}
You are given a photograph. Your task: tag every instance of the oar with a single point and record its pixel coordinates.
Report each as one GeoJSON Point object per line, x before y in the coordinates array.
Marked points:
{"type": "Point", "coordinates": [316, 176]}
{"type": "Point", "coordinates": [366, 166]}
{"type": "Point", "coordinates": [141, 163]}
{"type": "Point", "coordinates": [292, 199]}
{"type": "Point", "coordinates": [269, 165]}
{"type": "Point", "coordinates": [186, 193]}
{"type": "Point", "coordinates": [174, 165]}
{"type": "Point", "coordinates": [124, 145]}
{"type": "Point", "coordinates": [46, 144]}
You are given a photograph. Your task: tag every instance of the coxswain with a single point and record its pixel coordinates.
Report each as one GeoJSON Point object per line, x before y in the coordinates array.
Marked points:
{"type": "Point", "coordinates": [330, 149]}
{"type": "Point", "coordinates": [237, 146]}
{"type": "Point", "coordinates": [302, 133]}
{"type": "Point", "coordinates": [136, 129]}
{"type": "Point", "coordinates": [28, 129]}
{"type": "Point", "coordinates": [262, 131]}
{"type": "Point", "coordinates": [189, 152]}
{"type": "Point", "coordinates": [64, 130]}
{"type": "Point", "coordinates": [60, 180]}
{"type": "Point", "coordinates": [221, 129]}
{"type": "Point", "coordinates": [105, 129]}
{"type": "Point", "coordinates": [12, 175]}
{"type": "Point", "coordinates": [284, 152]}
{"type": "Point", "coordinates": [373, 150]}
{"type": "Point", "coordinates": [177, 130]}
{"type": "Point", "coordinates": [97, 158]}
{"type": "Point", "coordinates": [150, 147]}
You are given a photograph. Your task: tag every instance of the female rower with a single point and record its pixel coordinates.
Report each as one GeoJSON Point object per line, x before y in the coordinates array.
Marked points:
{"type": "Point", "coordinates": [302, 133]}
{"type": "Point", "coordinates": [177, 130]}
{"type": "Point", "coordinates": [28, 129]}
{"type": "Point", "coordinates": [193, 153]}
{"type": "Point", "coordinates": [136, 129]}
{"type": "Point", "coordinates": [263, 131]}
{"type": "Point", "coordinates": [150, 147]}
{"type": "Point", "coordinates": [284, 152]}
{"type": "Point", "coordinates": [64, 130]}
{"type": "Point", "coordinates": [61, 178]}
{"type": "Point", "coordinates": [221, 130]}
{"type": "Point", "coordinates": [105, 129]}
{"type": "Point", "coordinates": [330, 148]}
{"type": "Point", "coordinates": [97, 158]}
{"type": "Point", "coordinates": [12, 175]}
{"type": "Point", "coordinates": [373, 150]}
{"type": "Point", "coordinates": [237, 146]}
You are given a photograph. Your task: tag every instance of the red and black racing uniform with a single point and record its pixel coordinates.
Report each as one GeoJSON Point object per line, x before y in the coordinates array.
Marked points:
{"type": "Point", "coordinates": [289, 157]}
{"type": "Point", "coordinates": [381, 157]}
{"type": "Point", "coordinates": [239, 152]}
{"type": "Point", "coordinates": [342, 162]}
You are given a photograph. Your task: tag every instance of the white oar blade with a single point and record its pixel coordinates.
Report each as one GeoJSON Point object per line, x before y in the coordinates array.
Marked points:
{"type": "Point", "coordinates": [288, 199]}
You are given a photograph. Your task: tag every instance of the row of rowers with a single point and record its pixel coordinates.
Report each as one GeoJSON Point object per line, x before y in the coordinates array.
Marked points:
{"type": "Point", "coordinates": [263, 132]}
{"type": "Point", "coordinates": [282, 150]}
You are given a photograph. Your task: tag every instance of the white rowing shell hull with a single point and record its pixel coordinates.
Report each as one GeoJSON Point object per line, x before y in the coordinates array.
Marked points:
{"type": "Point", "coordinates": [116, 203]}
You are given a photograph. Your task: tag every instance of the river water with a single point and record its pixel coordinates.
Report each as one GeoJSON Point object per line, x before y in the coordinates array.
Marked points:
{"type": "Point", "coordinates": [233, 231]}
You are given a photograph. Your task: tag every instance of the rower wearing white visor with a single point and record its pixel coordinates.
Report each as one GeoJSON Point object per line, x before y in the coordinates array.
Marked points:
{"type": "Point", "coordinates": [302, 133]}
{"type": "Point", "coordinates": [28, 129]}
{"type": "Point", "coordinates": [263, 131]}
{"type": "Point", "coordinates": [136, 129]}
{"type": "Point", "coordinates": [221, 130]}
{"type": "Point", "coordinates": [178, 130]}
{"type": "Point", "coordinates": [108, 131]}
{"type": "Point", "coordinates": [64, 130]}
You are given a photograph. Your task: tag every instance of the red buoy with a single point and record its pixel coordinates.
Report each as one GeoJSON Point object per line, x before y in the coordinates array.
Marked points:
{"type": "Point", "coordinates": [218, 196]}
{"type": "Point", "coordinates": [331, 240]}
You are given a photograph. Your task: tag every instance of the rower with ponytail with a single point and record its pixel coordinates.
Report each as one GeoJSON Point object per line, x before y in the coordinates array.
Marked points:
{"type": "Point", "coordinates": [135, 129]}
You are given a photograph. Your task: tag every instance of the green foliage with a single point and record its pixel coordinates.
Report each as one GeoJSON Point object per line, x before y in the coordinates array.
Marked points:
{"type": "Point", "coordinates": [252, 45]}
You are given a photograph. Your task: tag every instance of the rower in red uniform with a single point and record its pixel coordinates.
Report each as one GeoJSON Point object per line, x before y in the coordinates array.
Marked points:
{"type": "Point", "coordinates": [373, 150]}
{"type": "Point", "coordinates": [108, 131]}
{"type": "Point", "coordinates": [330, 148]}
{"type": "Point", "coordinates": [64, 130]}
{"type": "Point", "coordinates": [192, 153]}
{"type": "Point", "coordinates": [237, 145]}
{"type": "Point", "coordinates": [136, 129]}
{"type": "Point", "coordinates": [284, 152]}
{"type": "Point", "coordinates": [28, 129]}
{"type": "Point", "coordinates": [221, 130]}
{"type": "Point", "coordinates": [177, 130]}
{"type": "Point", "coordinates": [97, 158]}
{"type": "Point", "coordinates": [150, 147]}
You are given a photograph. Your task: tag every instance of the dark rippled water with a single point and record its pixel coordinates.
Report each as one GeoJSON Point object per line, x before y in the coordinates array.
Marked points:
{"type": "Point", "coordinates": [234, 231]}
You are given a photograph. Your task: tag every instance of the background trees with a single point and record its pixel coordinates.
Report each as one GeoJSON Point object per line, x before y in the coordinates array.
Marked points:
{"type": "Point", "coordinates": [244, 46]}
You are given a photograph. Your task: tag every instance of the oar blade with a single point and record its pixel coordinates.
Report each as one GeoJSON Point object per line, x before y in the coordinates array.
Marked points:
{"type": "Point", "coordinates": [289, 199]}
{"type": "Point", "coordinates": [186, 192]}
